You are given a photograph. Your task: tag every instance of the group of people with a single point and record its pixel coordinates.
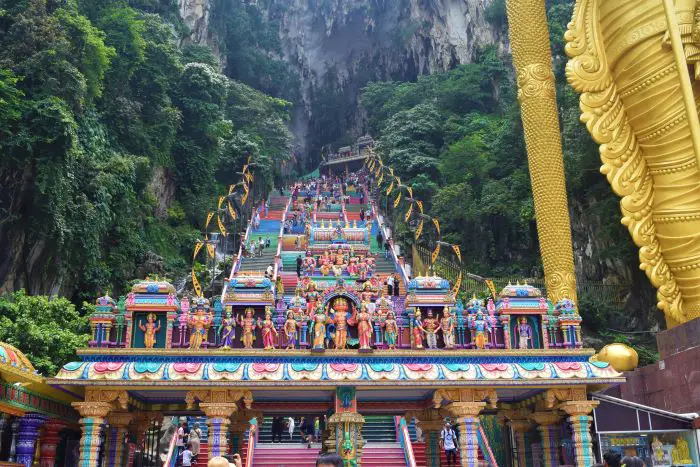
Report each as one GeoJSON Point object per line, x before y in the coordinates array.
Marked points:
{"type": "Point", "coordinates": [309, 430]}
{"type": "Point", "coordinates": [255, 247]}
{"type": "Point", "coordinates": [188, 443]}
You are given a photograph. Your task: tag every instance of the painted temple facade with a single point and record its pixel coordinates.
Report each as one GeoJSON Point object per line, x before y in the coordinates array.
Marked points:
{"type": "Point", "coordinates": [509, 371]}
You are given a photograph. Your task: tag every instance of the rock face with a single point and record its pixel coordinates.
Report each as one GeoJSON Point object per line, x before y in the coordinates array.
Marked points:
{"type": "Point", "coordinates": [343, 44]}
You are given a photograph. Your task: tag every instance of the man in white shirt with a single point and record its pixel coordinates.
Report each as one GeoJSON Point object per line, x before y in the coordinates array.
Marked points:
{"type": "Point", "coordinates": [448, 441]}
{"type": "Point", "coordinates": [180, 443]}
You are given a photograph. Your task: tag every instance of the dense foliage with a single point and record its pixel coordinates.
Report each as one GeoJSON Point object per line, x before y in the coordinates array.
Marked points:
{"type": "Point", "coordinates": [457, 138]}
{"type": "Point", "coordinates": [115, 142]}
{"type": "Point", "coordinates": [47, 331]}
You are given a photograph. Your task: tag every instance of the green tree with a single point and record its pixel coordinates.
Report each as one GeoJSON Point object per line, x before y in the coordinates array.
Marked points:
{"type": "Point", "coordinates": [47, 330]}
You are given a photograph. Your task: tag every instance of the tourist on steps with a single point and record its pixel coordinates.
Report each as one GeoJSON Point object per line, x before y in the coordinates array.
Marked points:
{"type": "Point", "coordinates": [448, 442]}
{"type": "Point", "coordinates": [390, 285]}
{"type": "Point", "coordinates": [387, 248]}
{"type": "Point", "coordinates": [261, 246]}
{"type": "Point", "coordinates": [299, 262]}
{"type": "Point", "coordinates": [290, 427]}
{"type": "Point", "coordinates": [187, 457]}
{"type": "Point", "coordinates": [194, 438]}
{"type": "Point", "coordinates": [397, 291]}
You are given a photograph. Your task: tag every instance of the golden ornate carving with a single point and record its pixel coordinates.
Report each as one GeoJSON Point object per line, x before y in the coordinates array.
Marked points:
{"type": "Point", "coordinates": [532, 60]}
{"type": "Point", "coordinates": [546, 418]}
{"type": "Point", "coordinates": [632, 104]}
{"type": "Point", "coordinates": [556, 395]}
{"type": "Point", "coordinates": [92, 409]}
{"type": "Point", "coordinates": [218, 396]}
{"type": "Point", "coordinates": [465, 395]}
{"type": "Point", "coordinates": [578, 408]}
{"type": "Point", "coordinates": [120, 397]}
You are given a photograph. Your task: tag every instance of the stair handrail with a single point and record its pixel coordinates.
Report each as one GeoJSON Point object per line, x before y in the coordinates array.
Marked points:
{"type": "Point", "coordinates": [399, 267]}
{"type": "Point", "coordinates": [485, 446]}
{"type": "Point", "coordinates": [252, 437]}
{"type": "Point", "coordinates": [405, 440]}
{"type": "Point", "coordinates": [342, 203]}
{"type": "Point", "coordinates": [237, 263]}
{"type": "Point", "coordinates": [171, 458]}
{"type": "Point", "coordinates": [278, 255]}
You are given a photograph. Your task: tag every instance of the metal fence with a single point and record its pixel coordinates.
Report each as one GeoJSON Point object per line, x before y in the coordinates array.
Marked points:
{"type": "Point", "coordinates": [449, 270]}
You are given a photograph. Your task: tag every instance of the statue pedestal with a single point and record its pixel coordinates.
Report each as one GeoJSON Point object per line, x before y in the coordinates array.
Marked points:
{"type": "Point", "coordinates": [346, 436]}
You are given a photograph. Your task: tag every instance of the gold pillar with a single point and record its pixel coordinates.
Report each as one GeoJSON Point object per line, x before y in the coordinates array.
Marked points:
{"type": "Point", "coordinates": [532, 58]}
{"type": "Point", "coordinates": [580, 419]}
{"type": "Point", "coordinates": [218, 421]}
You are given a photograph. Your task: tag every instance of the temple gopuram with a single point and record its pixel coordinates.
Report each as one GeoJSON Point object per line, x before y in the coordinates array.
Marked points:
{"type": "Point", "coordinates": [379, 371]}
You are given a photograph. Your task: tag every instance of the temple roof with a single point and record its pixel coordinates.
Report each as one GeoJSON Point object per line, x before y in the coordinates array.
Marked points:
{"type": "Point", "coordinates": [520, 291]}
{"type": "Point", "coordinates": [15, 363]}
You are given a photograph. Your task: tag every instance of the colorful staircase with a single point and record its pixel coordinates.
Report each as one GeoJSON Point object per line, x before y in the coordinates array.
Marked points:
{"type": "Point", "coordinates": [286, 455]}
{"type": "Point", "coordinates": [379, 429]}
{"type": "Point", "coordinates": [383, 455]}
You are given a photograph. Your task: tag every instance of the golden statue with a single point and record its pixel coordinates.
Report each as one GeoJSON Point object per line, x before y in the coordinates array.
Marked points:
{"type": "Point", "coordinates": [629, 60]}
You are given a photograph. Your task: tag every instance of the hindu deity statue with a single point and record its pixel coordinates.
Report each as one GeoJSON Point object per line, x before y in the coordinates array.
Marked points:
{"type": "Point", "coordinates": [524, 333]}
{"type": "Point", "coordinates": [320, 320]}
{"type": "Point", "coordinates": [391, 330]}
{"type": "Point", "coordinates": [362, 269]}
{"type": "Point", "coordinates": [417, 331]}
{"type": "Point", "coordinates": [199, 323]}
{"type": "Point", "coordinates": [364, 328]}
{"type": "Point", "coordinates": [291, 332]}
{"type": "Point", "coordinates": [268, 331]}
{"type": "Point", "coordinates": [384, 305]}
{"type": "Point", "coordinates": [227, 330]}
{"type": "Point", "coordinates": [431, 326]}
{"type": "Point", "coordinates": [309, 263]}
{"type": "Point", "coordinates": [297, 304]}
{"type": "Point", "coordinates": [368, 291]}
{"type": "Point", "coordinates": [149, 330]}
{"type": "Point", "coordinates": [480, 326]}
{"type": "Point", "coordinates": [681, 453]}
{"type": "Point", "coordinates": [493, 321]}
{"type": "Point", "coordinates": [341, 317]}
{"type": "Point", "coordinates": [312, 296]}
{"type": "Point", "coordinates": [247, 324]}
{"type": "Point", "coordinates": [447, 324]}
{"type": "Point", "coordinates": [337, 270]}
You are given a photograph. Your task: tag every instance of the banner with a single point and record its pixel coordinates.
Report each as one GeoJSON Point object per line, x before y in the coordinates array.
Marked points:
{"type": "Point", "coordinates": [197, 246]}
{"type": "Point", "coordinates": [434, 255]}
{"type": "Point", "coordinates": [457, 252]}
{"type": "Point", "coordinates": [210, 250]}
{"type": "Point", "coordinates": [222, 229]}
{"type": "Point", "coordinates": [408, 213]}
{"type": "Point", "coordinates": [397, 200]}
{"type": "Point", "coordinates": [209, 216]}
{"type": "Point", "coordinates": [391, 187]}
{"type": "Point", "coordinates": [419, 229]}
{"type": "Point", "coordinates": [231, 211]}
{"type": "Point", "coordinates": [245, 195]}
{"type": "Point", "coordinates": [492, 288]}
{"type": "Point", "coordinates": [195, 285]}
{"type": "Point", "coordinates": [458, 284]}
{"type": "Point", "coordinates": [420, 206]}
{"type": "Point", "coordinates": [221, 201]}
{"type": "Point", "coordinates": [437, 225]}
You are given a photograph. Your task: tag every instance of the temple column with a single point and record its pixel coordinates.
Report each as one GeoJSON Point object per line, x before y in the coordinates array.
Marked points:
{"type": "Point", "coordinates": [49, 442]}
{"type": "Point", "coordinates": [345, 427]}
{"type": "Point", "coordinates": [580, 420]}
{"type": "Point", "coordinates": [119, 423]}
{"type": "Point", "coordinates": [431, 422]}
{"type": "Point", "coordinates": [520, 429]}
{"type": "Point", "coordinates": [27, 436]}
{"type": "Point", "coordinates": [467, 415]}
{"type": "Point", "coordinates": [218, 421]}
{"type": "Point", "coordinates": [92, 417]}
{"type": "Point", "coordinates": [547, 425]}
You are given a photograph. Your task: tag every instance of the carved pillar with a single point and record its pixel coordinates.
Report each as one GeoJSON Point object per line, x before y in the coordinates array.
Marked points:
{"type": "Point", "coordinates": [119, 422]}
{"type": "Point", "coordinates": [27, 436]}
{"type": "Point", "coordinates": [532, 58]}
{"type": "Point", "coordinates": [580, 420]}
{"type": "Point", "coordinates": [49, 442]}
{"type": "Point", "coordinates": [520, 429]}
{"type": "Point", "coordinates": [92, 417]}
{"type": "Point", "coordinates": [218, 421]}
{"type": "Point", "coordinates": [547, 425]}
{"type": "Point", "coordinates": [430, 421]}
{"type": "Point", "coordinates": [14, 429]}
{"type": "Point", "coordinates": [345, 427]}
{"type": "Point", "coordinates": [467, 415]}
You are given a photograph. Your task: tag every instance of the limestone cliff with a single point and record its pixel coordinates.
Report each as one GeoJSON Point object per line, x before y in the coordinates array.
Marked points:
{"type": "Point", "coordinates": [342, 44]}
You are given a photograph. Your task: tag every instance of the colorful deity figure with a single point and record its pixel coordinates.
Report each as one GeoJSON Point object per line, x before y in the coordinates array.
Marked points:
{"type": "Point", "coordinates": [391, 330]}
{"type": "Point", "coordinates": [480, 325]}
{"type": "Point", "coordinates": [247, 324]}
{"type": "Point", "coordinates": [227, 330]}
{"type": "Point", "coordinates": [431, 326]}
{"type": "Point", "coordinates": [364, 328]}
{"type": "Point", "coordinates": [493, 321]}
{"type": "Point", "coordinates": [268, 331]}
{"type": "Point", "coordinates": [337, 270]}
{"type": "Point", "coordinates": [524, 332]}
{"type": "Point", "coordinates": [291, 332]}
{"type": "Point", "coordinates": [149, 330]}
{"type": "Point", "coordinates": [199, 323]}
{"type": "Point", "coordinates": [309, 263]}
{"type": "Point", "coordinates": [569, 322]}
{"type": "Point", "coordinates": [368, 291]}
{"type": "Point", "coordinates": [362, 269]}
{"type": "Point", "coordinates": [341, 318]}
{"type": "Point", "coordinates": [320, 320]}
{"type": "Point", "coordinates": [447, 324]}
{"type": "Point", "coordinates": [312, 296]}
{"type": "Point", "coordinates": [384, 305]}
{"type": "Point", "coordinates": [417, 331]}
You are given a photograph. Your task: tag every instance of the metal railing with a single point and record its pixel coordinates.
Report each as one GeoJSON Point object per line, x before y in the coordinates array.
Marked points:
{"type": "Point", "coordinates": [405, 440]}
{"type": "Point", "coordinates": [171, 458]}
{"type": "Point", "coordinates": [252, 437]}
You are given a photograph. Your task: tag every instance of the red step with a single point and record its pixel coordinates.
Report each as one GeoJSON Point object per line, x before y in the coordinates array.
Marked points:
{"type": "Point", "coordinates": [419, 454]}
{"type": "Point", "coordinates": [272, 215]}
{"type": "Point", "coordinates": [285, 455]}
{"type": "Point", "coordinates": [380, 456]}
{"type": "Point", "coordinates": [353, 216]}
{"type": "Point", "coordinates": [203, 456]}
